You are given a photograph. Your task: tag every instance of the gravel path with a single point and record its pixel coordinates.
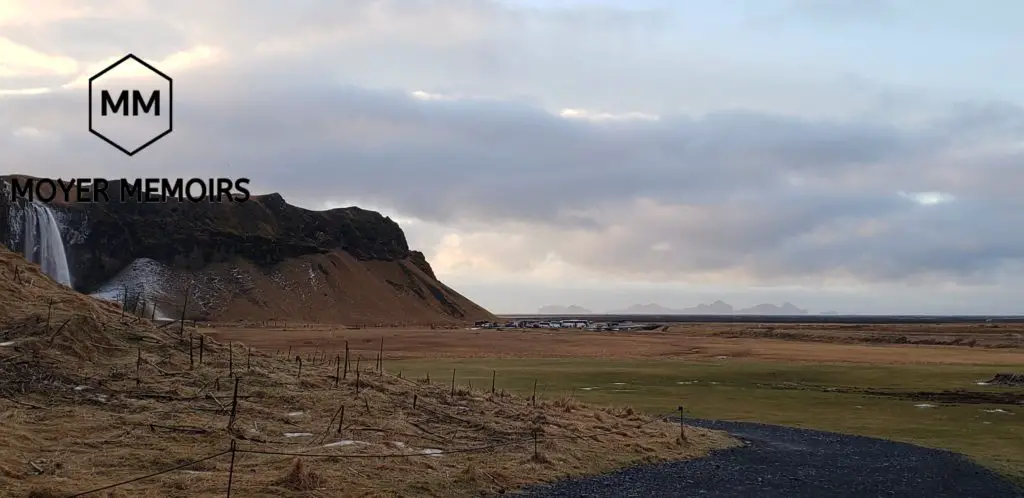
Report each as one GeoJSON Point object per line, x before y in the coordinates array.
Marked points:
{"type": "Point", "coordinates": [785, 462]}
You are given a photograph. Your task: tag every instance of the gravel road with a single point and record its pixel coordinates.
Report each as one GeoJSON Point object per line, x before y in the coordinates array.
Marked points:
{"type": "Point", "coordinates": [785, 462]}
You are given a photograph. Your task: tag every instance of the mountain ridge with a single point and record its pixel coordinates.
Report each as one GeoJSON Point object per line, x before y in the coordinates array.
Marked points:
{"type": "Point", "coordinates": [717, 307]}
{"type": "Point", "coordinates": [557, 309]}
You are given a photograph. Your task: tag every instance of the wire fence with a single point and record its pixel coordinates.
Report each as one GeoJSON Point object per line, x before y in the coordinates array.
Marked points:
{"type": "Point", "coordinates": [341, 369]}
{"type": "Point", "coordinates": [234, 450]}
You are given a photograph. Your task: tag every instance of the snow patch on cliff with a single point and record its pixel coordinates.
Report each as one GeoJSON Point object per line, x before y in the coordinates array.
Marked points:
{"type": "Point", "coordinates": [144, 276]}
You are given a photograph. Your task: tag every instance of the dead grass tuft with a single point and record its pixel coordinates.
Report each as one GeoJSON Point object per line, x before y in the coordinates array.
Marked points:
{"type": "Point", "coordinates": [45, 493]}
{"type": "Point", "coordinates": [300, 478]}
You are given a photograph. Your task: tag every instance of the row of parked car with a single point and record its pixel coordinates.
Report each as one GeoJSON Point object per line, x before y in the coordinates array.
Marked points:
{"type": "Point", "coordinates": [562, 324]}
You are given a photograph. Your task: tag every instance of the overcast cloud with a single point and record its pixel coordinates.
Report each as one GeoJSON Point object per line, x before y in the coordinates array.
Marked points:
{"type": "Point", "coordinates": [850, 156]}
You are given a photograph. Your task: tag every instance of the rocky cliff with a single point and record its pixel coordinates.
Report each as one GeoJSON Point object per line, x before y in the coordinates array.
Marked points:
{"type": "Point", "coordinates": [237, 251]}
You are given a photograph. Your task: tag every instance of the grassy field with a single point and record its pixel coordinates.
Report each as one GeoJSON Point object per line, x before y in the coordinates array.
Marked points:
{"type": "Point", "coordinates": [795, 394]}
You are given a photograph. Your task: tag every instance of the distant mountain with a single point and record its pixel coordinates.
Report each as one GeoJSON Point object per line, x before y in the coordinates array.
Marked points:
{"type": "Point", "coordinates": [555, 309]}
{"type": "Point", "coordinates": [646, 309]}
{"type": "Point", "coordinates": [771, 309]}
{"type": "Point", "coordinates": [718, 307]}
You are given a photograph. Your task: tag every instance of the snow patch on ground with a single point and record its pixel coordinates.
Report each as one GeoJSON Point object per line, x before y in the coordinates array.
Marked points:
{"type": "Point", "coordinates": [297, 434]}
{"type": "Point", "coordinates": [315, 278]}
{"type": "Point", "coordinates": [434, 452]}
{"type": "Point", "coordinates": [344, 442]}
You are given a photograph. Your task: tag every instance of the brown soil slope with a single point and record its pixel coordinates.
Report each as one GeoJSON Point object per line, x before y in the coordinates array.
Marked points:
{"type": "Point", "coordinates": [90, 398]}
{"type": "Point", "coordinates": [327, 288]}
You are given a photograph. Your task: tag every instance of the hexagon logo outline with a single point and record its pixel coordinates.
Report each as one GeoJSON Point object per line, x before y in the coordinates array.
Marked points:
{"type": "Point", "coordinates": [170, 104]}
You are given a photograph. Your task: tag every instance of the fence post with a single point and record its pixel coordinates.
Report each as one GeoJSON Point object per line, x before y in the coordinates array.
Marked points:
{"type": "Point", "coordinates": [202, 346]}
{"type": "Point", "coordinates": [191, 361]}
{"type": "Point", "coordinates": [534, 397]}
{"type": "Point", "coordinates": [181, 327]}
{"type": "Point", "coordinates": [231, 468]}
{"type": "Point", "coordinates": [494, 375]}
{"type": "Point", "coordinates": [138, 366]}
{"type": "Point", "coordinates": [453, 382]}
{"type": "Point", "coordinates": [234, 405]}
{"type": "Point", "coordinates": [248, 359]}
{"type": "Point", "coordinates": [345, 374]}
{"type": "Point", "coordinates": [682, 428]}
{"type": "Point", "coordinates": [337, 371]}
{"type": "Point", "coordinates": [231, 359]}
{"type": "Point", "coordinates": [341, 420]}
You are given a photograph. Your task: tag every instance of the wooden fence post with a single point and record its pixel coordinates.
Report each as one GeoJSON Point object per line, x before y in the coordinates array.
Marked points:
{"type": "Point", "coordinates": [231, 468]}
{"type": "Point", "coordinates": [234, 405]}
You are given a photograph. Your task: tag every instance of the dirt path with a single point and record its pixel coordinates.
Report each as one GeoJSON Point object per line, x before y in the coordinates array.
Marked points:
{"type": "Point", "coordinates": [785, 462]}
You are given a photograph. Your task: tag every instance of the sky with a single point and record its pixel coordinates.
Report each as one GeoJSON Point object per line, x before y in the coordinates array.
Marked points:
{"type": "Point", "coordinates": [857, 156]}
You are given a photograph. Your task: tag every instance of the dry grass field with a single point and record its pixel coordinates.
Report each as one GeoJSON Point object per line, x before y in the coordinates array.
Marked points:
{"type": "Point", "coordinates": [90, 398]}
{"type": "Point", "coordinates": [846, 378]}
{"type": "Point", "coordinates": [828, 344]}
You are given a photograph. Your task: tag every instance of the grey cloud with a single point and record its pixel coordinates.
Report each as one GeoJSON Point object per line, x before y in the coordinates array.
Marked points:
{"type": "Point", "coordinates": [720, 181]}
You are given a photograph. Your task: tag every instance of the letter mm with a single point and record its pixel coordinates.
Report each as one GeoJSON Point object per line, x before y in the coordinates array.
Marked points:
{"type": "Point", "coordinates": [135, 97]}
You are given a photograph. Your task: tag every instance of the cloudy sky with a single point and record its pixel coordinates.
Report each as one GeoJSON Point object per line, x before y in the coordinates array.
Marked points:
{"type": "Point", "coordinates": [862, 156]}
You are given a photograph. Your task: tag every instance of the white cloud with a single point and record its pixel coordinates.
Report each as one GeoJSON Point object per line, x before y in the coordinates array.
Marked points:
{"type": "Point", "coordinates": [17, 60]}
{"type": "Point", "coordinates": [29, 132]}
{"type": "Point", "coordinates": [605, 116]}
{"type": "Point", "coordinates": [928, 198]}
{"type": "Point", "coordinates": [172, 65]}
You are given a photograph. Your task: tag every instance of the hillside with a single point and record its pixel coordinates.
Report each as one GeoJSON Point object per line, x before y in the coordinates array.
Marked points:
{"type": "Point", "coordinates": [261, 259]}
{"type": "Point", "coordinates": [92, 397]}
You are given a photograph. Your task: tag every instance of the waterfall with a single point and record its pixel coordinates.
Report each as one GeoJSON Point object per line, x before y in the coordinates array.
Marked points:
{"type": "Point", "coordinates": [43, 244]}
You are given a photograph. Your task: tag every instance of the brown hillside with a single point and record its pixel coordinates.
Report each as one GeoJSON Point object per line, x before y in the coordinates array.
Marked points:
{"type": "Point", "coordinates": [326, 288]}
{"type": "Point", "coordinates": [259, 259]}
{"type": "Point", "coordinates": [90, 398]}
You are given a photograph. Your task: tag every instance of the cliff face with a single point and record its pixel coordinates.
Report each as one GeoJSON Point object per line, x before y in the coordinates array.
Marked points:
{"type": "Point", "coordinates": [263, 235]}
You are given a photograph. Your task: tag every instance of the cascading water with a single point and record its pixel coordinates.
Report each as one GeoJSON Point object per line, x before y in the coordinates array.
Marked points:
{"type": "Point", "coordinates": [43, 243]}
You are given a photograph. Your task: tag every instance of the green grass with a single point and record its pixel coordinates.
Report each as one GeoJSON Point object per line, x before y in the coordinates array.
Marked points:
{"type": "Point", "coordinates": [735, 390]}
